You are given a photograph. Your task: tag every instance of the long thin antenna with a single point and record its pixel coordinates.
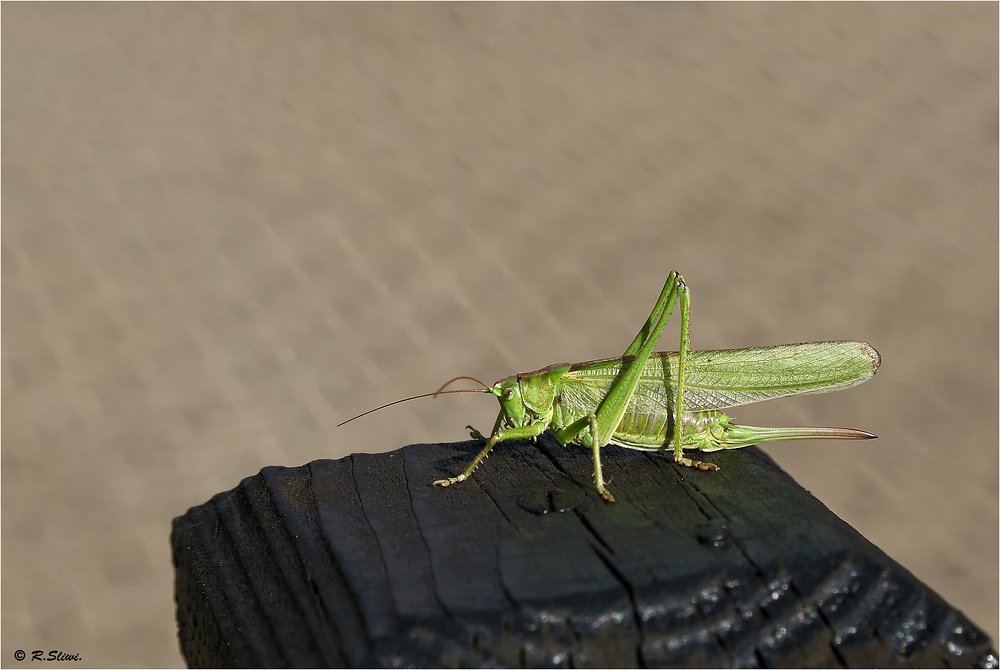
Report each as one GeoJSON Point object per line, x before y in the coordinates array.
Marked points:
{"type": "Point", "coordinates": [455, 379]}
{"type": "Point", "coordinates": [424, 395]}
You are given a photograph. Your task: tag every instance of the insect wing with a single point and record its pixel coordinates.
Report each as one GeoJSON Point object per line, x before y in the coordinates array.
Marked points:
{"type": "Point", "coordinates": [732, 377]}
{"type": "Point", "coordinates": [729, 377]}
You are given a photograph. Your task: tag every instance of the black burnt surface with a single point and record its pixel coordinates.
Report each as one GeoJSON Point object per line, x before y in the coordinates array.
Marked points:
{"type": "Point", "coordinates": [359, 562]}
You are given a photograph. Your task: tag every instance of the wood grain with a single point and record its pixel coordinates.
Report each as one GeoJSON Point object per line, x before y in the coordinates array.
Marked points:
{"type": "Point", "coordinates": [360, 562]}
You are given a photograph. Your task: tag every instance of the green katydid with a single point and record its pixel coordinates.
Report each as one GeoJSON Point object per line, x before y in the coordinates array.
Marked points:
{"type": "Point", "coordinates": [638, 400]}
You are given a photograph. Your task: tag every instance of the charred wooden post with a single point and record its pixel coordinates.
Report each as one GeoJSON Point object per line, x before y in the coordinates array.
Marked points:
{"type": "Point", "coordinates": [359, 562]}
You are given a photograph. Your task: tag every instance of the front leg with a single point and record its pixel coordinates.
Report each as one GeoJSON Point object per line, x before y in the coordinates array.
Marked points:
{"type": "Point", "coordinates": [520, 433]}
{"type": "Point", "coordinates": [476, 435]}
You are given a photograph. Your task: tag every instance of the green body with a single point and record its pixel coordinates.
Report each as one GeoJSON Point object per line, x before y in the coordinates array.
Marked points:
{"type": "Point", "coordinates": [563, 394]}
{"type": "Point", "coordinates": [635, 400]}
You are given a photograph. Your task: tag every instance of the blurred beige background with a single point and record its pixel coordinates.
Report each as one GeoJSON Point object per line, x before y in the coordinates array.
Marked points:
{"type": "Point", "coordinates": [228, 227]}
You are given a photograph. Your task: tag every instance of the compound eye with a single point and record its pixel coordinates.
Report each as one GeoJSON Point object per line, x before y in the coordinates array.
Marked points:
{"type": "Point", "coordinates": [508, 393]}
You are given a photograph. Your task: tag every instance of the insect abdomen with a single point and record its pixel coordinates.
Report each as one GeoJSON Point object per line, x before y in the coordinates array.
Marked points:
{"type": "Point", "coordinates": [648, 430]}
{"type": "Point", "coordinates": [652, 432]}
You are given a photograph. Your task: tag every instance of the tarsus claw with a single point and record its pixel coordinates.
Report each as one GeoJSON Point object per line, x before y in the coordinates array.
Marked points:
{"type": "Point", "coordinates": [449, 481]}
{"type": "Point", "coordinates": [700, 465]}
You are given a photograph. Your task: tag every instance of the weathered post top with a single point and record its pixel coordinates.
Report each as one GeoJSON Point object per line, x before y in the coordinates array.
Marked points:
{"type": "Point", "coordinates": [359, 562]}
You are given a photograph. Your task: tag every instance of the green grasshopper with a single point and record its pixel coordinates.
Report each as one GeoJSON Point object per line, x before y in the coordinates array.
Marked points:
{"type": "Point", "coordinates": [667, 400]}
